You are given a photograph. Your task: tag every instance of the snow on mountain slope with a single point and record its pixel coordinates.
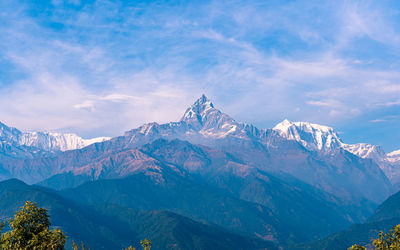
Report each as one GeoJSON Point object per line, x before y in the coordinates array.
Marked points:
{"type": "Point", "coordinates": [9, 134]}
{"type": "Point", "coordinates": [56, 142]}
{"type": "Point", "coordinates": [393, 157]}
{"type": "Point", "coordinates": [389, 163]}
{"type": "Point", "coordinates": [373, 152]}
{"type": "Point", "coordinates": [319, 137]}
{"type": "Point", "coordinates": [322, 138]}
{"type": "Point", "coordinates": [311, 136]}
{"type": "Point", "coordinates": [201, 123]}
{"type": "Point", "coordinates": [307, 151]}
{"type": "Point", "coordinates": [45, 141]}
{"type": "Point", "coordinates": [270, 150]}
{"type": "Point", "coordinates": [365, 150]}
{"type": "Point", "coordinates": [211, 122]}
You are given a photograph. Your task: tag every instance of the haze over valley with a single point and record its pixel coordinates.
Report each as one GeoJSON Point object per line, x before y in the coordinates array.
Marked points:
{"type": "Point", "coordinates": [199, 124]}
{"type": "Point", "coordinates": [209, 168]}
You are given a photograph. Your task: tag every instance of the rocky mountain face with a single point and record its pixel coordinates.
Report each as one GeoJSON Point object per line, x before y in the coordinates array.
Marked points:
{"type": "Point", "coordinates": [306, 151]}
{"type": "Point", "coordinates": [311, 136]}
{"type": "Point", "coordinates": [388, 162]}
{"type": "Point", "coordinates": [324, 139]}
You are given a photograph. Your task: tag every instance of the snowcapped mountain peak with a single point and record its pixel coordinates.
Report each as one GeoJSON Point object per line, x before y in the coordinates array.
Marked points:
{"type": "Point", "coordinates": [394, 156]}
{"type": "Point", "coordinates": [204, 118]}
{"type": "Point", "coordinates": [204, 101]}
{"type": "Point", "coordinates": [198, 109]}
{"type": "Point", "coordinates": [286, 124]}
{"type": "Point", "coordinates": [324, 138]}
{"type": "Point", "coordinates": [389, 163]}
{"type": "Point", "coordinates": [311, 136]}
{"type": "Point", "coordinates": [394, 153]}
{"type": "Point", "coordinates": [9, 133]}
{"type": "Point", "coordinates": [47, 141]}
{"type": "Point", "coordinates": [365, 150]}
{"type": "Point", "coordinates": [203, 115]}
{"type": "Point", "coordinates": [283, 126]}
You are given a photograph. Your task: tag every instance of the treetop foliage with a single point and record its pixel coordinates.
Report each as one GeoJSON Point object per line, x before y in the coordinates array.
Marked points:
{"type": "Point", "coordinates": [146, 244]}
{"type": "Point", "coordinates": [388, 241]}
{"type": "Point", "coordinates": [30, 229]}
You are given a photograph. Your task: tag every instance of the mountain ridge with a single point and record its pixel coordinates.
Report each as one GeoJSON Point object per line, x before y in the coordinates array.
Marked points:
{"type": "Point", "coordinates": [266, 149]}
{"type": "Point", "coordinates": [107, 226]}
{"type": "Point", "coordinates": [46, 141]}
{"type": "Point", "coordinates": [222, 171]}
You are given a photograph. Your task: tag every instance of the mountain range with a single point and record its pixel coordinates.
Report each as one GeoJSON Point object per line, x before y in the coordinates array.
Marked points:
{"type": "Point", "coordinates": [323, 138]}
{"type": "Point", "coordinates": [33, 142]}
{"type": "Point", "coordinates": [108, 226]}
{"type": "Point", "coordinates": [293, 183]}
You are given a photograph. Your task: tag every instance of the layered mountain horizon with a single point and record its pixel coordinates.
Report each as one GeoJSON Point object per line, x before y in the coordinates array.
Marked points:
{"type": "Point", "coordinates": [313, 136]}
{"type": "Point", "coordinates": [201, 125]}
{"type": "Point", "coordinates": [289, 184]}
{"type": "Point", "coordinates": [210, 123]}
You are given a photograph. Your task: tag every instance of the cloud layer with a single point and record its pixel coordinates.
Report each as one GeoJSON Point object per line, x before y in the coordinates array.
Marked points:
{"type": "Point", "coordinates": [103, 67]}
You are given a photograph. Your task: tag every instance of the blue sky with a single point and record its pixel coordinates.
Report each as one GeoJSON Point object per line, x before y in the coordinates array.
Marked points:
{"type": "Point", "coordinates": [103, 67]}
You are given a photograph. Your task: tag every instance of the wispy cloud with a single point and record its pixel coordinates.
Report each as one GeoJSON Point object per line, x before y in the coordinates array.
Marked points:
{"type": "Point", "coordinates": [327, 103]}
{"type": "Point", "coordinates": [378, 120]}
{"type": "Point", "coordinates": [102, 67]}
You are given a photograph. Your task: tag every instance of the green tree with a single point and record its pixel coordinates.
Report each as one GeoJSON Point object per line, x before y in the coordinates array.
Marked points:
{"type": "Point", "coordinates": [2, 224]}
{"type": "Point", "coordinates": [146, 244]}
{"type": "Point", "coordinates": [357, 247]}
{"type": "Point", "coordinates": [388, 241]}
{"type": "Point", "coordinates": [30, 230]}
{"type": "Point", "coordinates": [130, 248]}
